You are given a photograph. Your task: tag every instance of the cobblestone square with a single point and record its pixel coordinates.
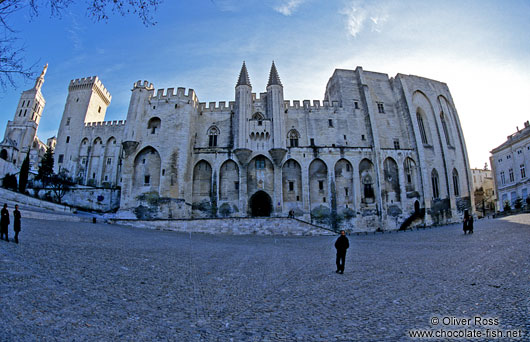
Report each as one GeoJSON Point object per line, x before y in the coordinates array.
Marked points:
{"type": "Point", "coordinates": [95, 282]}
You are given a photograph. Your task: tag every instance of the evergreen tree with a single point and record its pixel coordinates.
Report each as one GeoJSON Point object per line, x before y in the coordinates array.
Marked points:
{"type": "Point", "coordinates": [10, 182]}
{"type": "Point", "coordinates": [46, 167]}
{"type": "Point", "coordinates": [23, 176]}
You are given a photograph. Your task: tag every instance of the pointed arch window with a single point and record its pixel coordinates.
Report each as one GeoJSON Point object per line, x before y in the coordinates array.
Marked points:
{"type": "Point", "coordinates": [259, 117]}
{"type": "Point", "coordinates": [293, 137]}
{"type": "Point", "coordinates": [456, 183]}
{"type": "Point", "coordinates": [444, 126]}
{"type": "Point", "coordinates": [153, 125]}
{"type": "Point", "coordinates": [422, 128]}
{"type": "Point", "coordinates": [435, 184]}
{"type": "Point", "coordinates": [213, 132]}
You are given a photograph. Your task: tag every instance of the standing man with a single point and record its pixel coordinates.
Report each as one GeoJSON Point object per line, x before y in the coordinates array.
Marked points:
{"type": "Point", "coordinates": [4, 222]}
{"type": "Point", "coordinates": [342, 244]}
{"type": "Point", "coordinates": [16, 222]}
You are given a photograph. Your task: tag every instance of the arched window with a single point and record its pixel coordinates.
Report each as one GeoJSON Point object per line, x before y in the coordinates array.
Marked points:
{"type": "Point", "coordinates": [435, 184]}
{"type": "Point", "coordinates": [213, 132]}
{"type": "Point", "coordinates": [422, 128]}
{"type": "Point", "coordinates": [444, 126]}
{"type": "Point", "coordinates": [153, 125]}
{"type": "Point", "coordinates": [456, 183]}
{"type": "Point", "coordinates": [293, 137]}
{"type": "Point", "coordinates": [259, 117]}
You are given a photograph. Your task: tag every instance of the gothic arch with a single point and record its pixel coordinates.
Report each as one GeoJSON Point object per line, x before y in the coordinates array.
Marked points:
{"type": "Point", "coordinates": [146, 173]}
{"type": "Point", "coordinates": [292, 138]}
{"type": "Point", "coordinates": [292, 184]}
{"type": "Point", "coordinates": [202, 182]}
{"type": "Point", "coordinates": [456, 183]}
{"type": "Point", "coordinates": [424, 114]}
{"type": "Point", "coordinates": [213, 133]}
{"type": "Point", "coordinates": [154, 124]}
{"type": "Point", "coordinates": [229, 181]}
{"type": "Point", "coordinates": [344, 183]}
{"type": "Point", "coordinates": [110, 160]}
{"type": "Point", "coordinates": [435, 184]}
{"type": "Point", "coordinates": [411, 175]}
{"type": "Point", "coordinates": [318, 183]}
{"type": "Point", "coordinates": [260, 176]}
{"type": "Point", "coordinates": [392, 189]}
{"type": "Point", "coordinates": [446, 129]}
{"type": "Point", "coordinates": [258, 116]}
{"type": "Point", "coordinates": [367, 176]}
{"type": "Point", "coordinates": [94, 162]}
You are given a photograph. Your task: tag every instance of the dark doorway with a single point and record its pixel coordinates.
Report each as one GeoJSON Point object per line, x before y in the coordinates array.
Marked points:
{"type": "Point", "coordinates": [416, 207]}
{"type": "Point", "coordinates": [3, 154]}
{"type": "Point", "coordinates": [260, 204]}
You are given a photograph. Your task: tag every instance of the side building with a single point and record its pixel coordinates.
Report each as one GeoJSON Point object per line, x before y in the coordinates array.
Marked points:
{"type": "Point", "coordinates": [484, 191]}
{"type": "Point", "coordinates": [374, 153]}
{"type": "Point", "coordinates": [510, 163]}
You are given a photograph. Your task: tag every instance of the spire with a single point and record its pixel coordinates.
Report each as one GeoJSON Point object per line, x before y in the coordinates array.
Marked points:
{"type": "Point", "coordinates": [40, 79]}
{"type": "Point", "coordinates": [274, 79]}
{"type": "Point", "coordinates": [243, 77]}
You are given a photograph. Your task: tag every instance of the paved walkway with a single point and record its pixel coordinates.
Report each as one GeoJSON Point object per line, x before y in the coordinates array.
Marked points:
{"type": "Point", "coordinates": [94, 282]}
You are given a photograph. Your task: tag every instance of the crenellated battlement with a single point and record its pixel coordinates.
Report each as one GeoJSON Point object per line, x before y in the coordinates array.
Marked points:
{"type": "Point", "coordinates": [164, 94]}
{"type": "Point", "coordinates": [306, 104]}
{"type": "Point", "coordinates": [105, 123]}
{"type": "Point", "coordinates": [143, 84]}
{"type": "Point", "coordinates": [216, 107]}
{"type": "Point", "coordinates": [92, 82]}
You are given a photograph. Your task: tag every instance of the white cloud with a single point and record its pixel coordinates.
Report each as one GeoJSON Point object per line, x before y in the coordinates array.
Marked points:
{"type": "Point", "coordinates": [357, 14]}
{"type": "Point", "coordinates": [288, 7]}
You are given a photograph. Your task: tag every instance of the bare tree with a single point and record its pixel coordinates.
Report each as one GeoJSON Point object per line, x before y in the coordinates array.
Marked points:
{"type": "Point", "coordinates": [12, 63]}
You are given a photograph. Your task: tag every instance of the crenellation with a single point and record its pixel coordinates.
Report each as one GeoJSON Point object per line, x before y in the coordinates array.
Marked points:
{"type": "Point", "coordinates": [215, 107]}
{"type": "Point", "coordinates": [105, 123]}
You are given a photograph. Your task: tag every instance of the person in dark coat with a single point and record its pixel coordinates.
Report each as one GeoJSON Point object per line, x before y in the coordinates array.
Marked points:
{"type": "Point", "coordinates": [468, 223]}
{"type": "Point", "coordinates": [4, 222]}
{"type": "Point", "coordinates": [16, 222]}
{"type": "Point", "coordinates": [342, 244]}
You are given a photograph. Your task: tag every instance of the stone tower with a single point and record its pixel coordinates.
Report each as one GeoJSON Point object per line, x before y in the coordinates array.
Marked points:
{"type": "Point", "coordinates": [243, 107]}
{"type": "Point", "coordinates": [21, 133]}
{"type": "Point", "coordinates": [87, 102]}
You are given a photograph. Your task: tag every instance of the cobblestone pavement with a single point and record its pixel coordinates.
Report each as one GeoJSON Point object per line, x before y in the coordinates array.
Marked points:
{"type": "Point", "coordinates": [96, 282]}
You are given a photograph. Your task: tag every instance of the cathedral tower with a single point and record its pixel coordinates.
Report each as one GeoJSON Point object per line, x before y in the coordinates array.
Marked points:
{"type": "Point", "coordinates": [21, 133]}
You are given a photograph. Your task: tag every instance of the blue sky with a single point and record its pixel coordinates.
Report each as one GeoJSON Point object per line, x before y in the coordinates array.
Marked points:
{"type": "Point", "coordinates": [481, 49]}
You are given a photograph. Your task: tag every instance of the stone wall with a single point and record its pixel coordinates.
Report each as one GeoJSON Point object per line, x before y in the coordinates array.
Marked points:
{"type": "Point", "coordinates": [234, 226]}
{"type": "Point", "coordinates": [98, 199]}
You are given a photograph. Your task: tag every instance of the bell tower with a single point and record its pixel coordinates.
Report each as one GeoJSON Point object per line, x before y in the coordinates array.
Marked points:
{"type": "Point", "coordinates": [21, 133]}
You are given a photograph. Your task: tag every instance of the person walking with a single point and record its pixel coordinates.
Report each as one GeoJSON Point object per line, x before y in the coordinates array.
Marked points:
{"type": "Point", "coordinates": [342, 244]}
{"type": "Point", "coordinates": [16, 222]}
{"type": "Point", "coordinates": [4, 222]}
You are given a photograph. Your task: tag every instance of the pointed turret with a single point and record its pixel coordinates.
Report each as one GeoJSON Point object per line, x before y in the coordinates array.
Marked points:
{"type": "Point", "coordinates": [275, 108]}
{"type": "Point", "coordinates": [274, 79]}
{"type": "Point", "coordinates": [243, 77]}
{"type": "Point", "coordinates": [40, 80]}
{"type": "Point", "coordinates": [243, 108]}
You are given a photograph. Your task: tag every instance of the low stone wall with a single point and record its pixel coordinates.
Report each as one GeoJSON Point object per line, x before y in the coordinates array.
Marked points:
{"type": "Point", "coordinates": [99, 199]}
{"type": "Point", "coordinates": [233, 226]}
{"type": "Point", "coordinates": [9, 195]}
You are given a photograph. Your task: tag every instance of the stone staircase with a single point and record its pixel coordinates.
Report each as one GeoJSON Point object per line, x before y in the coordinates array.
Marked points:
{"type": "Point", "coordinates": [233, 226]}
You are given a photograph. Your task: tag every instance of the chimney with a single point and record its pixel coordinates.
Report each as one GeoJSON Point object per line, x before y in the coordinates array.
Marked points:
{"type": "Point", "coordinates": [526, 123]}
